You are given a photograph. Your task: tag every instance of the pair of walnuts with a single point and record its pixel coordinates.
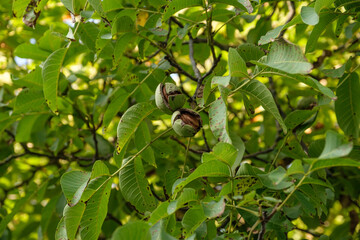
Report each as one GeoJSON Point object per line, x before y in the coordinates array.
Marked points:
{"type": "Point", "coordinates": [170, 100]}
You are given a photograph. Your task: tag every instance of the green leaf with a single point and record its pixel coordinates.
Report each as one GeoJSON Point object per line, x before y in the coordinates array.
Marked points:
{"type": "Point", "coordinates": [347, 106]}
{"type": "Point", "coordinates": [242, 4]}
{"type": "Point", "coordinates": [212, 168]}
{"type": "Point", "coordinates": [309, 15]}
{"type": "Point", "coordinates": [32, 80]}
{"type": "Point", "coordinates": [260, 92]}
{"type": "Point", "coordinates": [224, 152]}
{"type": "Point", "coordinates": [88, 33]}
{"type": "Point", "coordinates": [159, 213]}
{"type": "Point", "coordinates": [333, 162]}
{"type": "Point", "coordinates": [123, 24]}
{"type": "Point", "coordinates": [335, 146]}
{"type": "Point", "coordinates": [276, 179]}
{"type": "Point", "coordinates": [218, 120]}
{"type": "Point", "coordinates": [186, 196]}
{"type": "Point", "coordinates": [32, 51]}
{"type": "Point", "coordinates": [239, 186]}
{"type": "Point", "coordinates": [297, 117]}
{"type": "Point", "coordinates": [214, 209]}
{"type": "Point", "coordinates": [314, 181]}
{"type": "Point", "coordinates": [29, 101]}
{"type": "Point", "coordinates": [74, 6]}
{"type": "Point", "coordinates": [51, 74]}
{"type": "Point", "coordinates": [121, 45]}
{"type": "Point", "coordinates": [313, 83]}
{"type": "Point", "coordinates": [47, 213]}
{"type": "Point", "coordinates": [60, 233]}
{"type": "Point", "coordinates": [320, 4]}
{"type": "Point", "coordinates": [135, 187]}
{"type": "Point", "coordinates": [220, 80]}
{"type": "Point", "coordinates": [118, 99]}
{"type": "Point", "coordinates": [335, 73]}
{"type": "Point", "coordinates": [271, 35]}
{"type": "Point", "coordinates": [295, 168]}
{"type": "Point", "coordinates": [177, 5]}
{"type": "Point", "coordinates": [325, 20]}
{"type": "Point", "coordinates": [134, 230]}
{"type": "Point", "coordinates": [72, 218]}
{"type": "Point", "coordinates": [142, 138]}
{"type": "Point", "coordinates": [95, 213]}
{"type": "Point", "coordinates": [287, 57]}
{"type": "Point", "coordinates": [73, 185]}
{"type": "Point", "coordinates": [237, 65]}
{"type": "Point", "coordinates": [192, 220]}
{"type": "Point", "coordinates": [96, 4]}
{"type": "Point", "coordinates": [249, 52]}
{"type": "Point", "coordinates": [19, 6]}
{"type": "Point", "coordinates": [130, 121]}
{"type": "Point", "coordinates": [158, 231]}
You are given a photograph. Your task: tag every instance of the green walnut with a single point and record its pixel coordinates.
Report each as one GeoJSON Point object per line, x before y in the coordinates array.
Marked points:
{"type": "Point", "coordinates": [169, 98]}
{"type": "Point", "coordinates": [186, 122]}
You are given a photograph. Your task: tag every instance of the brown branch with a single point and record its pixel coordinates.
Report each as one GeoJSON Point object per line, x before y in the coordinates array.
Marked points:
{"type": "Point", "coordinates": [265, 218]}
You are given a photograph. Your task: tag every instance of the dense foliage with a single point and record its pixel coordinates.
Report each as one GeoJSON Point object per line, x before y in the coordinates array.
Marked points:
{"type": "Point", "coordinates": [86, 154]}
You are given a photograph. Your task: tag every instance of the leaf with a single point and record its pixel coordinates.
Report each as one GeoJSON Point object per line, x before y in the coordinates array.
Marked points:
{"type": "Point", "coordinates": [95, 213]}
{"type": "Point", "coordinates": [347, 106]}
{"type": "Point", "coordinates": [220, 80]}
{"type": "Point", "coordinates": [249, 51]}
{"type": "Point", "coordinates": [74, 6]}
{"type": "Point", "coordinates": [32, 80]}
{"type": "Point", "coordinates": [218, 120]}
{"type": "Point", "coordinates": [224, 152]}
{"type": "Point", "coordinates": [295, 168]}
{"type": "Point", "coordinates": [192, 220]}
{"type": "Point", "coordinates": [96, 4]}
{"type": "Point", "coordinates": [239, 186]}
{"type": "Point", "coordinates": [122, 24]}
{"type": "Point", "coordinates": [29, 101]}
{"type": "Point", "coordinates": [276, 179]}
{"type": "Point", "coordinates": [325, 20]}
{"type": "Point", "coordinates": [158, 231]}
{"type": "Point", "coordinates": [237, 66]}
{"type": "Point", "coordinates": [134, 230]}
{"type": "Point", "coordinates": [212, 168]}
{"type": "Point", "coordinates": [260, 92]}
{"type": "Point", "coordinates": [159, 213]}
{"type": "Point", "coordinates": [242, 4]}
{"type": "Point", "coordinates": [288, 58]}
{"type": "Point", "coordinates": [314, 181]}
{"type": "Point", "coordinates": [47, 212]}
{"type": "Point", "coordinates": [73, 185]}
{"type": "Point", "coordinates": [333, 162]}
{"type": "Point", "coordinates": [130, 121]}
{"type": "Point", "coordinates": [119, 98]}
{"type": "Point", "coordinates": [135, 187]}
{"type": "Point", "coordinates": [335, 146]}
{"type": "Point", "coordinates": [60, 233]}
{"type": "Point", "coordinates": [51, 74]}
{"type": "Point", "coordinates": [186, 196]}
{"type": "Point", "coordinates": [214, 209]}
{"type": "Point", "coordinates": [297, 117]}
{"type": "Point", "coordinates": [19, 6]}
{"type": "Point", "coordinates": [142, 138]}
{"type": "Point", "coordinates": [320, 4]}
{"type": "Point", "coordinates": [313, 83]}
{"type": "Point", "coordinates": [72, 218]}
{"type": "Point", "coordinates": [32, 51]}
{"type": "Point", "coordinates": [335, 73]}
{"type": "Point", "coordinates": [88, 33]}
{"type": "Point", "coordinates": [309, 15]}
{"type": "Point", "coordinates": [177, 5]}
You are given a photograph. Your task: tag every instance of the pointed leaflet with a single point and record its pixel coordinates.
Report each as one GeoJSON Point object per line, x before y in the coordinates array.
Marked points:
{"type": "Point", "coordinates": [193, 219]}
{"type": "Point", "coordinates": [158, 231]}
{"type": "Point", "coordinates": [347, 106]}
{"type": "Point", "coordinates": [212, 168]}
{"type": "Point", "coordinates": [72, 217]}
{"type": "Point", "coordinates": [276, 179]}
{"type": "Point", "coordinates": [130, 121]}
{"type": "Point", "coordinates": [224, 152]}
{"type": "Point", "coordinates": [60, 233]}
{"type": "Point", "coordinates": [32, 51]}
{"type": "Point", "coordinates": [176, 5]}
{"type": "Point", "coordinates": [186, 196]}
{"type": "Point", "coordinates": [97, 205]}
{"type": "Point", "coordinates": [73, 185]}
{"type": "Point", "coordinates": [51, 73]}
{"type": "Point", "coordinates": [74, 6]}
{"type": "Point", "coordinates": [287, 57]}
{"type": "Point", "coordinates": [334, 162]}
{"type": "Point", "coordinates": [29, 100]}
{"type": "Point", "coordinates": [142, 138]}
{"type": "Point", "coordinates": [259, 91]}
{"type": "Point", "coordinates": [135, 187]}
{"type": "Point", "coordinates": [19, 6]}
{"type": "Point", "coordinates": [118, 99]}
{"type": "Point", "coordinates": [237, 65]}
